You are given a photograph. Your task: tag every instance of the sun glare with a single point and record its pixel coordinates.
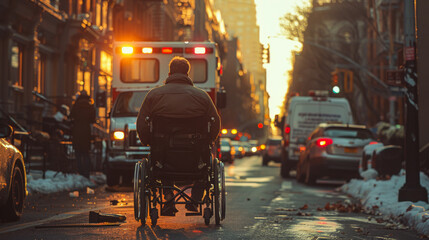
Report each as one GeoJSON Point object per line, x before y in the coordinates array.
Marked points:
{"type": "Point", "coordinates": [281, 48]}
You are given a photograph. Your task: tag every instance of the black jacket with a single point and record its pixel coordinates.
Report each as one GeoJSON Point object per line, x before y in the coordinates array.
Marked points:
{"type": "Point", "coordinates": [178, 98]}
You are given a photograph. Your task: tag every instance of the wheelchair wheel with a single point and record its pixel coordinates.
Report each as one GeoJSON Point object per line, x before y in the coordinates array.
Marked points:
{"type": "Point", "coordinates": [141, 198]}
{"type": "Point", "coordinates": [222, 192]}
{"type": "Point", "coordinates": [217, 187]}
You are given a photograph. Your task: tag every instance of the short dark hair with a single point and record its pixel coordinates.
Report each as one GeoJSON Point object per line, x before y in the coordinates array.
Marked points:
{"type": "Point", "coordinates": [179, 65]}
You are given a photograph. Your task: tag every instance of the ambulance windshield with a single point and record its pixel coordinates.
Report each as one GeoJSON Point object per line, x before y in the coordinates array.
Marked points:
{"type": "Point", "coordinates": [128, 103]}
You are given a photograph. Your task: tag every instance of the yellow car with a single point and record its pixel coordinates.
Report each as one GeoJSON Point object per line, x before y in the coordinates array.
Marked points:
{"type": "Point", "coordinates": [13, 179]}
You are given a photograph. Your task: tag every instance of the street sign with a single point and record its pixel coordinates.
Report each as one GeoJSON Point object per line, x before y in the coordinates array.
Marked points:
{"type": "Point", "coordinates": [395, 78]}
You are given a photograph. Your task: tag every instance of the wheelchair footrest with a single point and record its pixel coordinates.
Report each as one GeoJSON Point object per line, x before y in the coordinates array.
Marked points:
{"type": "Point", "coordinates": [193, 214]}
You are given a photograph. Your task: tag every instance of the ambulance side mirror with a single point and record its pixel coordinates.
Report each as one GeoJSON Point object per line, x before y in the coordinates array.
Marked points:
{"type": "Point", "coordinates": [221, 99]}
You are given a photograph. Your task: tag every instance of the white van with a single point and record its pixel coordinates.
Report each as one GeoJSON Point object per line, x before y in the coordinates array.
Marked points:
{"type": "Point", "coordinates": [304, 113]}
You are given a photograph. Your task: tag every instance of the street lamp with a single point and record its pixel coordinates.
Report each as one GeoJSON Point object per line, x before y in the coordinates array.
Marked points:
{"type": "Point", "coordinates": [412, 190]}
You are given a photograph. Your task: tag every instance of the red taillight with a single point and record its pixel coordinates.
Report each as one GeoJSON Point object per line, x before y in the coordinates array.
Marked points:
{"type": "Point", "coordinates": [323, 142]}
{"type": "Point", "coordinates": [371, 143]}
{"type": "Point", "coordinates": [167, 50]}
{"type": "Point", "coordinates": [287, 129]}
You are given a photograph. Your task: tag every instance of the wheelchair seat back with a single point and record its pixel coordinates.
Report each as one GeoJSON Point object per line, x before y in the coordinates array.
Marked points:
{"type": "Point", "coordinates": [180, 148]}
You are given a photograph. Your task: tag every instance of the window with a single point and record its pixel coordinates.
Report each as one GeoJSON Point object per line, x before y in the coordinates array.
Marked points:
{"type": "Point", "coordinates": [348, 133]}
{"type": "Point", "coordinates": [128, 104]}
{"type": "Point", "coordinates": [16, 65]}
{"type": "Point", "coordinates": [198, 72]}
{"type": "Point", "coordinates": [41, 74]}
{"type": "Point", "coordinates": [134, 70]}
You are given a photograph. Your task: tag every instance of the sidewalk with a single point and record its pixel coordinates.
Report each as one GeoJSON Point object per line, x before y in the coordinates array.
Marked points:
{"type": "Point", "coordinates": [380, 197]}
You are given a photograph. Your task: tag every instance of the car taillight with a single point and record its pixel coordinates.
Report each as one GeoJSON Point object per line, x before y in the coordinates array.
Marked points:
{"type": "Point", "coordinates": [371, 143]}
{"type": "Point", "coordinates": [323, 142]}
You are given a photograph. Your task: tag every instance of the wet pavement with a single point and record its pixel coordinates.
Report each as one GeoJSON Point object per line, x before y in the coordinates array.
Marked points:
{"type": "Point", "coordinates": [260, 205]}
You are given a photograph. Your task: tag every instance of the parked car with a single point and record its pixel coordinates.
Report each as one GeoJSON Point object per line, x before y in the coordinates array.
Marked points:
{"type": "Point", "coordinates": [225, 150]}
{"type": "Point", "coordinates": [238, 150]}
{"type": "Point", "coordinates": [13, 179]}
{"type": "Point", "coordinates": [333, 150]}
{"type": "Point", "coordinates": [273, 150]}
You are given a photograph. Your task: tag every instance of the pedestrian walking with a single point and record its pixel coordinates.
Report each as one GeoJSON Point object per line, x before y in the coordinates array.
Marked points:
{"type": "Point", "coordinates": [82, 115]}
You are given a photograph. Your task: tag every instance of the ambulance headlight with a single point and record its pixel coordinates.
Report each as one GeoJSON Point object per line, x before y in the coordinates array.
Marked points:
{"type": "Point", "coordinates": [118, 135]}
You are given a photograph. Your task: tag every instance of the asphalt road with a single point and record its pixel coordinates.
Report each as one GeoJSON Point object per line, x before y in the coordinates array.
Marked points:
{"type": "Point", "coordinates": [260, 205]}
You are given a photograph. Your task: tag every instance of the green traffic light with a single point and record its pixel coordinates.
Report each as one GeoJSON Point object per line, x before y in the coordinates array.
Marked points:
{"type": "Point", "coordinates": [336, 89]}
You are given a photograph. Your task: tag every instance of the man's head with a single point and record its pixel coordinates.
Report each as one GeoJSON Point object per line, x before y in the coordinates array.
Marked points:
{"type": "Point", "coordinates": [179, 65]}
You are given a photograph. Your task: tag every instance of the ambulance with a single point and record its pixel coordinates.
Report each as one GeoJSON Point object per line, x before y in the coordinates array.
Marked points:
{"type": "Point", "coordinates": [137, 68]}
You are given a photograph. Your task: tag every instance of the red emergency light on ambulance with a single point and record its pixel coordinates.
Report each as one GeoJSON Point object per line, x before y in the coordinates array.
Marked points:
{"type": "Point", "coordinates": [137, 68]}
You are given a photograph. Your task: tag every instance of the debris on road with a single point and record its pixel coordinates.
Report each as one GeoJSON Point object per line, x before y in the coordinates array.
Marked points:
{"type": "Point", "coordinates": [305, 207]}
{"type": "Point", "coordinates": [95, 217]}
{"type": "Point", "coordinates": [118, 202]}
{"type": "Point", "coordinates": [303, 214]}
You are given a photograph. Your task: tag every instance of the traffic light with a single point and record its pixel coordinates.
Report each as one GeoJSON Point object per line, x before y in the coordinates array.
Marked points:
{"type": "Point", "coordinates": [265, 53]}
{"type": "Point", "coordinates": [342, 80]}
{"type": "Point", "coordinates": [260, 125]}
{"type": "Point", "coordinates": [335, 82]}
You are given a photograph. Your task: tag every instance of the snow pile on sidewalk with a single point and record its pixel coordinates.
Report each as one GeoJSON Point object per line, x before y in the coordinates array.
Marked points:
{"type": "Point", "coordinates": [58, 182]}
{"type": "Point", "coordinates": [382, 195]}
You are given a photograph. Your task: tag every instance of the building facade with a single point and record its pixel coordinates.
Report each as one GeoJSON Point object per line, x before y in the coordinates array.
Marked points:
{"type": "Point", "coordinates": [59, 47]}
{"type": "Point", "coordinates": [240, 21]}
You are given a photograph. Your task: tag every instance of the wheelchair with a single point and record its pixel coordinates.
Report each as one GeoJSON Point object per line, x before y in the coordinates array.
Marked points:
{"type": "Point", "coordinates": [180, 152]}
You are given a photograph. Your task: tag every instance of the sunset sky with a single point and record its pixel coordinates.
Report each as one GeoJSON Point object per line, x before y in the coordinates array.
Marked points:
{"type": "Point", "coordinates": [268, 14]}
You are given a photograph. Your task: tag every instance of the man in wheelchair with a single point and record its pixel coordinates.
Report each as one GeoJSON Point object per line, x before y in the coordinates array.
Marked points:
{"type": "Point", "coordinates": [178, 99]}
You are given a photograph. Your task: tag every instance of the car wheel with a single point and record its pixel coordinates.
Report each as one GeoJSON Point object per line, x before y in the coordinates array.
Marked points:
{"type": "Point", "coordinates": [310, 178]}
{"type": "Point", "coordinates": [284, 170]}
{"type": "Point", "coordinates": [15, 203]}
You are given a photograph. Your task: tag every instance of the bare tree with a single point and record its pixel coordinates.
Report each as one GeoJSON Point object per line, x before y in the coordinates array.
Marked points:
{"type": "Point", "coordinates": [293, 25]}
